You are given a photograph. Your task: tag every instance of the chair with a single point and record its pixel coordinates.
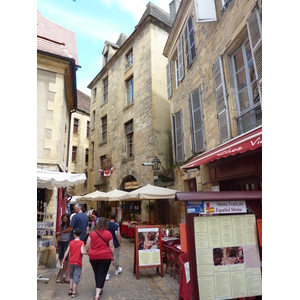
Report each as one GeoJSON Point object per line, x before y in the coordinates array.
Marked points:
{"type": "Point", "coordinates": [176, 231]}
{"type": "Point", "coordinates": [184, 287]}
{"type": "Point", "coordinates": [177, 265]}
{"type": "Point", "coordinates": [170, 258]}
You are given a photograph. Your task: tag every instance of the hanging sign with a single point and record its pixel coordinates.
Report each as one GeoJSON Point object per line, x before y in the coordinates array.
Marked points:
{"type": "Point", "coordinates": [216, 207]}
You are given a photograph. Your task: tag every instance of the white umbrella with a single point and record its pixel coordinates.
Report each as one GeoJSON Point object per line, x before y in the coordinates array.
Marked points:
{"type": "Point", "coordinates": [94, 196]}
{"type": "Point", "coordinates": [50, 179]}
{"type": "Point", "coordinates": [115, 195]}
{"type": "Point", "coordinates": [150, 192]}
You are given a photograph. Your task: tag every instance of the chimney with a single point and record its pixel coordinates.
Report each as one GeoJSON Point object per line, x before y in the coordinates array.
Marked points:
{"type": "Point", "coordinates": [174, 5]}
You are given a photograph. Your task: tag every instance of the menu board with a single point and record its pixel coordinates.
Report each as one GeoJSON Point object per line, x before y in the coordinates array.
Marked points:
{"type": "Point", "coordinates": [227, 255]}
{"type": "Point", "coordinates": [148, 249]}
{"type": "Point", "coordinates": [148, 246]}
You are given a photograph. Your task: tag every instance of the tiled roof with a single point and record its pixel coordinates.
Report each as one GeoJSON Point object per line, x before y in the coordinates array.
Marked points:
{"type": "Point", "coordinates": [83, 101]}
{"type": "Point", "coordinates": [55, 39]}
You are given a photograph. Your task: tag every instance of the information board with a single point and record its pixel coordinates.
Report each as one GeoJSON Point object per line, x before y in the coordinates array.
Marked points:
{"type": "Point", "coordinates": [148, 249]}
{"type": "Point", "coordinates": [227, 256]}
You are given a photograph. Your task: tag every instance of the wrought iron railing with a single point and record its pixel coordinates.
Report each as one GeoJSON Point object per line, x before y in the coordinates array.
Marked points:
{"type": "Point", "coordinates": [249, 120]}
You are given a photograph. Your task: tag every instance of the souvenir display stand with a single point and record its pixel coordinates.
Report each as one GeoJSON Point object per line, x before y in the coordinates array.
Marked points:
{"type": "Point", "coordinates": [224, 244]}
{"type": "Point", "coordinates": [45, 230]}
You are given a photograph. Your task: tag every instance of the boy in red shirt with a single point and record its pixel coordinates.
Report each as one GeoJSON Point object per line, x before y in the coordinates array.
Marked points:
{"type": "Point", "coordinates": [76, 249]}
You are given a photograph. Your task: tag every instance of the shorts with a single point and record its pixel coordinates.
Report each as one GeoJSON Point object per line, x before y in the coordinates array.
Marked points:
{"type": "Point", "coordinates": [75, 272]}
{"type": "Point", "coordinates": [116, 263]}
{"type": "Point", "coordinates": [62, 247]}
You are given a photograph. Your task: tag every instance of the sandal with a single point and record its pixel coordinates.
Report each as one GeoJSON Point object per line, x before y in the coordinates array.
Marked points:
{"type": "Point", "coordinates": [74, 295]}
{"type": "Point", "coordinates": [70, 292]}
{"type": "Point", "coordinates": [58, 281]}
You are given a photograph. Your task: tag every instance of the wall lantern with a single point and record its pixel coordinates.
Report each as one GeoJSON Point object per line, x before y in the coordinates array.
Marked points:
{"type": "Point", "coordinates": [156, 164]}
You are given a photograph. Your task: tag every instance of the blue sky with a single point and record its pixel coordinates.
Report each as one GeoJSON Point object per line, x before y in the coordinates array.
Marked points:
{"type": "Point", "coordinates": [94, 22]}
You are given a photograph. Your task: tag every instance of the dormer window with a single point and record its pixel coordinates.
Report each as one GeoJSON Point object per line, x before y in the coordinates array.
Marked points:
{"type": "Point", "coordinates": [129, 58]}
{"type": "Point", "coordinates": [106, 57]}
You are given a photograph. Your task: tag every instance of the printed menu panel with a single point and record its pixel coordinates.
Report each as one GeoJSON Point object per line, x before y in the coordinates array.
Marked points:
{"type": "Point", "coordinates": [227, 256]}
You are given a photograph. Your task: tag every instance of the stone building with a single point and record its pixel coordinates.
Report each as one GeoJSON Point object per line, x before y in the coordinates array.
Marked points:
{"type": "Point", "coordinates": [130, 114]}
{"type": "Point", "coordinates": [57, 63]}
{"type": "Point", "coordinates": [79, 142]}
{"type": "Point", "coordinates": [214, 72]}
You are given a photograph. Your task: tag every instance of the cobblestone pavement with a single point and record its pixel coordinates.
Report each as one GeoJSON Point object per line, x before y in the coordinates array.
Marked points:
{"type": "Point", "coordinates": [150, 285]}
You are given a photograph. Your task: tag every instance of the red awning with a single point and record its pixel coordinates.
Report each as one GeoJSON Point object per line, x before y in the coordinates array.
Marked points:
{"type": "Point", "coordinates": [245, 142]}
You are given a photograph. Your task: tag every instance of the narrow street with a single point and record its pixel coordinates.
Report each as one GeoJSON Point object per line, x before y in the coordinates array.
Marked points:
{"type": "Point", "coordinates": [125, 286]}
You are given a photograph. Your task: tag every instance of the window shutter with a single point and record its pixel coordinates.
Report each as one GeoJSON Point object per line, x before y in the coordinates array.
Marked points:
{"type": "Point", "coordinates": [180, 58]}
{"type": "Point", "coordinates": [254, 27]}
{"type": "Point", "coordinates": [190, 41]}
{"type": "Point", "coordinates": [177, 121]}
{"type": "Point", "coordinates": [187, 46]}
{"type": "Point", "coordinates": [205, 10]}
{"type": "Point", "coordinates": [197, 124]}
{"type": "Point", "coordinates": [169, 82]}
{"type": "Point", "coordinates": [221, 99]}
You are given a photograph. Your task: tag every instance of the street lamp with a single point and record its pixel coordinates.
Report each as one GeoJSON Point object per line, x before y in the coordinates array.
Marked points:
{"type": "Point", "coordinates": [156, 164]}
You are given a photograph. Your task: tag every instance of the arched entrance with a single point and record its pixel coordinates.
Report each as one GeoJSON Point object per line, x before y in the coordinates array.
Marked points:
{"type": "Point", "coordinates": [131, 209]}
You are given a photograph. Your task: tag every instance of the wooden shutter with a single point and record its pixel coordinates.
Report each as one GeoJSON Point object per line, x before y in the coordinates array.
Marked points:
{"type": "Point", "coordinates": [180, 59]}
{"type": "Point", "coordinates": [169, 81]}
{"type": "Point", "coordinates": [190, 41]}
{"type": "Point", "coordinates": [197, 124]}
{"type": "Point", "coordinates": [221, 99]}
{"type": "Point", "coordinates": [205, 10]}
{"type": "Point", "coordinates": [178, 136]}
{"type": "Point", "coordinates": [254, 27]}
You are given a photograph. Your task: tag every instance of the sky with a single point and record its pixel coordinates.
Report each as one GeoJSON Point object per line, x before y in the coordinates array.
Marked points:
{"type": "Point", "coordinates": [94, 22]}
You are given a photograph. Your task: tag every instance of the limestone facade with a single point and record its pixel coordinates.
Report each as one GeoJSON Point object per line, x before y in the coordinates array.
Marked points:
{"type": "Point", "coordinates": [214, 39]}
{"type": "Point", "coordinates": [79, 142]}
{"type": "Point", "coordinates": [130, 111]}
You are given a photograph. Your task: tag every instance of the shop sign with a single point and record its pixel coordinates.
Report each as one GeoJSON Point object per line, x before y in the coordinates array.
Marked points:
{"type": "Point", "coordinates": [216, 207]}
{"type": "Point", "coordinates": [131, 185]}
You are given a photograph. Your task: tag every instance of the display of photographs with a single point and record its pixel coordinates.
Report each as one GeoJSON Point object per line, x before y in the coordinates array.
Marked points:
{"type": "Point", "coordinates": [228, 256]}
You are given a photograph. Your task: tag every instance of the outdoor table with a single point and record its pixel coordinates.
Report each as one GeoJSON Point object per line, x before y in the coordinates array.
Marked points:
{"type": "Point", "coordinates": [184, 287]}
{"type": "Point", "coordinates": [171, 241]}
{"type": "Point", "coordinates": [124, 229]}
{"type": "Point", "coordinates": [131, 232]}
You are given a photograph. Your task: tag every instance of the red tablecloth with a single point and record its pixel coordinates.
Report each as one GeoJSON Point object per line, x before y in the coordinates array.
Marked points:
{"type": "Point", "coordinates": [124, 229]}
{"type": "Point", "coordinates": [184, 288]}
{"type": "Point", "coordinates": [131, 232]}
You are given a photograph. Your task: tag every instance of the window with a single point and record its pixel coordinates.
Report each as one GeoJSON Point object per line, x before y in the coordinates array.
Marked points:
{"type": "Point", "coordinates": [104, 129]}
{"type": "Point", "coordinates": [76, 124]}
{"type": "Point", "coordinates": [92, 153]}
{"type": "Point", "coordinates": [129, 85]}
{"type": "Point", "coordinates": [180, 61]}
{"type": "Point", "coordinates": [197, 124]}
{"type": "Point", "coordinates": [103, 164]}
{"type": "Point", "coordinates": [129, 139]}
{"type": "Point", "coordinates": [190, 43]}
{"type": "Point", "coordinates": [176, 73]}
{"type": "Point", "coordinates": [86, 156]}
{"type": "Point", "coordinates": [94, 118]}
{"type": "Point", "coordinates": [178, 137]}
{"type": "Point", "coordinates": [221, 99]}
{"type": "Point", "coordinates": [105, 57]}
{"type": "Point", "coordinates": [74, 153]}
{"type": "Point", "coordinates": [246, 88]}
{"type": "Point", "coordinates": [169, 79]}
{"type": "Point", "coordinates": [129, 58]}
{"type": "Point", "coordinates": [95, 93]}
{"type": "Point", "coordinates": [87, 129]}
{"type": "Point", "coordinates": [105, 90]}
